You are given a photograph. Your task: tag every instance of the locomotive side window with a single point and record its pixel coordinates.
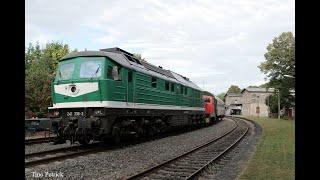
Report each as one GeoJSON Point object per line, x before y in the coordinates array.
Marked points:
{"type": "Point", "coordinates": [181, 89]}
{"type": "Point", "coordinates": [130, 76]}
{"type": "Point", "coordinates": [185, 90]}
{"type": "Point", "coordinates": [154, 82]}
{"type": "Point", "coordinates": [172, 87]}
{"type": "Point", "coordinates": [167, 86]}
{"type": "Point", "coordinates": [116, 73]}
{"type": "Point", "coordinates": [66, 71]}
{"type": "Point", "coordinates": [109, 72]}
{"type": "Point", "coordinates": [90, 69]}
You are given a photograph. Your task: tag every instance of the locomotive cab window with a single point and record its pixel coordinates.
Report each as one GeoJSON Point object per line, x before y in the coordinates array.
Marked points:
{"type": "Point", "coordinates": [154, 82]}
{"type": "Point", "coordinates": [90, 69]}
{"type": "Point", "coordinates": [66, 71]}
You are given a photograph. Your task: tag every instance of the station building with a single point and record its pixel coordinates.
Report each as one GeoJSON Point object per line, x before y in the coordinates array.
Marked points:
{"type": "Point", "coordinates": [250, 102]}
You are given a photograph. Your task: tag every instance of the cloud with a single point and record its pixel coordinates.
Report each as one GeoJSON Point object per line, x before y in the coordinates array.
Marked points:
{"type": "Point", "coordinates": [217, 42]}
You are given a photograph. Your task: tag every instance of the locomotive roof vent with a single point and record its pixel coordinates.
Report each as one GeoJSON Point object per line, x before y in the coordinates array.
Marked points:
{"type": "Point", "coordinates": [128, 55]}
{"type": "Point", "coordinates": [116, 50]}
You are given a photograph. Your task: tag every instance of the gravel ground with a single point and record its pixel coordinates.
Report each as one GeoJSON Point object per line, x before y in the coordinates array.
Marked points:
{"type": "Point", "coordinates": [234, 163]}
{"type": "Point", "coordinates": [126, 161]}
{"type": "Point", "coordinates": [45, 147]}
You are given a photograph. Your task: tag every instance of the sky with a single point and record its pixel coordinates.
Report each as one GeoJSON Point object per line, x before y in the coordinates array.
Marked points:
{"type": "Point", "coordinates": [215, 43]}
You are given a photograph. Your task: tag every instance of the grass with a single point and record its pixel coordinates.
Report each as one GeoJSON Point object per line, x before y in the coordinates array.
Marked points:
{"type": "Point", "coordinates": [275, 154]}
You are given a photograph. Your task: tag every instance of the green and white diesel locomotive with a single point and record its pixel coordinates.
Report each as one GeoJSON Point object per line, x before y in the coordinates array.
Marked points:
{"type": "Point", "coordinates": [110, 93]}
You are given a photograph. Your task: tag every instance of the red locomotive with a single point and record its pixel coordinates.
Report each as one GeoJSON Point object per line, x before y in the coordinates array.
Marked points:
{"type": "Point", "coordinates": [214, 108]}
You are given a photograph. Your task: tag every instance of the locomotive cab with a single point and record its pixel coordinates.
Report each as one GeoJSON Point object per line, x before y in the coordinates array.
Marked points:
{"type": "Point", "coordinates": [79, 91]}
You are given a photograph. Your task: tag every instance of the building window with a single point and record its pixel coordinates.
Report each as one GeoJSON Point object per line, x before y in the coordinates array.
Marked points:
{"type": "Point", "coordinates": [167, 86]}
{"type": "Point", "coordinates": [154, 82]}
{"type": "Point", "coordinates": [172, 87]}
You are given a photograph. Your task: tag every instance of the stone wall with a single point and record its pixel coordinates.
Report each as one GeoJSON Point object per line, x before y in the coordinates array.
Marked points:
{"type": "Point", "coordinates": [253, 104]}
{"type": "Point", "coordinates": [231, 100]}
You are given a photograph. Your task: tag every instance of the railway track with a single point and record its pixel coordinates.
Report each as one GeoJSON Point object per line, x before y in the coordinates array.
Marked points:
{"type": "Point", "coordinates": [45, 157]}
{"type": "Point", "coordinates": [190, 164]}
{"type": "Point", "coordinates": [38, 140]}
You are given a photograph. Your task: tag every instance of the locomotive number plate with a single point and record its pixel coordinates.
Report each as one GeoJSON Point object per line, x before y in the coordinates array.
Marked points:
{"type": "Point", "coordinates": [75, 114]}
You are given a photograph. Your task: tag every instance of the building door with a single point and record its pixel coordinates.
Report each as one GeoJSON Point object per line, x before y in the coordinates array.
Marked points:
{"type": "Point", "coordinates": [258, 110]}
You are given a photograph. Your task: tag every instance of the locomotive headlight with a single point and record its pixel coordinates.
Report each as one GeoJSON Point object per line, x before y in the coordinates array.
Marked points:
{"type": "Point", "coordinates": [54, 113]}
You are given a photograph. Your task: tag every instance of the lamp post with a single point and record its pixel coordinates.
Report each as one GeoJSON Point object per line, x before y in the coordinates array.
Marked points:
{"type": "Point", "coordinates": [278, 103]}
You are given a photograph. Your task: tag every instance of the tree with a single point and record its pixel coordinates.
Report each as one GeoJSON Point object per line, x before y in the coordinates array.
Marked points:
{"type": "Point", "coordinates": [280, 60]}
{"type": "Point", "coordinates": [265, 85]}
{"type": "Point", "coordinates": [272, 102]}
{"type": "Point", "coordinates": [279, 64]}
{"type": "Point", "coordinates": [40, 67]}
{"type": "Point", "coordinates": [234, 89]}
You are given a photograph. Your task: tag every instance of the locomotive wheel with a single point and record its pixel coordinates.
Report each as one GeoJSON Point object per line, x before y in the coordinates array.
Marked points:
{"type": "Point", "coordinates": [84, 141]}
{"type": "Point", "coordinates": [82, 137]}
{"type": "Point", "coordinates": [60, 138]}
{"type": "Point", "coordinates": [116, 137]}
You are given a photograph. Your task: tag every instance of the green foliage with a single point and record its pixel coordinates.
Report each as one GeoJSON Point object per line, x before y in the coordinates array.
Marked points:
{"type": "Point", "coordinates": [40, 67]}
{"type": "Point", "coordinates": [234, 89]}
{"type": "Point", "coordinates": [280, 61]}
{"type": "Point", "coordinates": [265, 85]}
{"type": "Point", "coordinates": [221, 95]}
{"type": "Point", "coordinates": [272, 102]}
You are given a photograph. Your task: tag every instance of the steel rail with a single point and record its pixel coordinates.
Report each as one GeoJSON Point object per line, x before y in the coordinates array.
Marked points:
{"type": "Point", "coordinates": [218, 156]}
{"type": "Point", "coordinates": [68, 152]}
{"type": "Point", "coordinates": [38, 140]}
{"type": "Point", "coordinates": [149, 170]}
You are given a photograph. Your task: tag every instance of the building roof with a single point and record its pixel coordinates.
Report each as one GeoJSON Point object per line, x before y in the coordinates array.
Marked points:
{"type": "Point", "coordinates": [233, 95]}
{"type": "Point", "coordinates": [254, 89]}
{"type": "Point", "coordinates": [126, 59]}
{"type": "Point", "coordinates": [219, 100]}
